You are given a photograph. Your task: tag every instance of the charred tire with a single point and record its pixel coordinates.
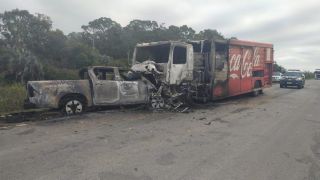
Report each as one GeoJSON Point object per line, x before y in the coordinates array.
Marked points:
{"type": "Point", "coordinates": [157, 102]}
{"type": "Point", "coordinates": [256, 92]}
{"type": "Point", "coordinates": [72, 105]}
{"type": "Point", "coordinates": [261, 91]}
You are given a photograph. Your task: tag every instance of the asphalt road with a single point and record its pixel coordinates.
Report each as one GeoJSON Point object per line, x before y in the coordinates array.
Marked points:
{"type": "Point", "coordinates": [269, 137]}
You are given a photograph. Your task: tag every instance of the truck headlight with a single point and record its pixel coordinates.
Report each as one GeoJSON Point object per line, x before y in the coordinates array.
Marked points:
{"type": "Point", "coordinates": [299, 79]}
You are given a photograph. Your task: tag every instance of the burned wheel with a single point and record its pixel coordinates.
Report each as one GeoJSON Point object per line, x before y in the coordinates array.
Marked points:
{"type": "Point", "coordinates": [157, 102]}
{"type": "Point", "coordinates": [255, 93]}
{"type": "Point", "coordinates": [73, 105]}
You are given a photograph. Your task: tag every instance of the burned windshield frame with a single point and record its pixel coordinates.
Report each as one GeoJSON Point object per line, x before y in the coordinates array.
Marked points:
{"type": "Point", "coordinates": [104, 74]}
{"type": "Point", "coordinates": [179, 55]}
{"type": "Point", "coordinates": [156, 53]}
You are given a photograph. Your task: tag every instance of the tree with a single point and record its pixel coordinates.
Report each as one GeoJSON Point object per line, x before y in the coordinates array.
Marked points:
{"type": "Point", "coordinates": [22, 30]}
{"type": "Point", "coordinates": [54, 46]}
{"type": "Point", "coordinates": [78, 55]}
{"type": "Point", "coordinates": [137, 31]}
{"type": "Point", "coordinates": [278, 68]}
{"type": "Point", "coordinates": [142, 25]}
{"type": "Point", "coordinates": [19, 66]}
{"type": "Point", "coordinates": [23, 36]}
{"type": "Point", "coordinates": [105, 35]}
{"type": "Point", "coordinates": [209, 34]}
{"type": "Point", "coordinates": [186, 32]}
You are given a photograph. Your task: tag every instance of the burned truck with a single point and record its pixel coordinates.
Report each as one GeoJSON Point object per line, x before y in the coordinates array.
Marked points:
{"type": "Point", "coordinates": [186, 72]}
{"type": "Point", "coordinates": [166, 74]}
{"type": "Point", "coordinates": [98, 86]}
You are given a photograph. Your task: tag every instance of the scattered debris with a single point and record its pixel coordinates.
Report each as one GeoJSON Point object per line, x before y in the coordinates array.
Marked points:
{"type": "Point", "coordinates": [240, 110]}
{"type": "Point", "coordinates": [220, 120]}
{"type": "Point", "coordinates": [20, 125]}
{"type": "Point", "coordinates": [216, 120]}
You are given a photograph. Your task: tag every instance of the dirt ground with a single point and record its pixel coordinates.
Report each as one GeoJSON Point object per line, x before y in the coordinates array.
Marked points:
{"type": "Point", "coordinates": [273, 136]}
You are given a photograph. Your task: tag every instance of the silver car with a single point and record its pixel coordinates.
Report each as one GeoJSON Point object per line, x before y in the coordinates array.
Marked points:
{"type": "Point", "coordinates": [277, 76]}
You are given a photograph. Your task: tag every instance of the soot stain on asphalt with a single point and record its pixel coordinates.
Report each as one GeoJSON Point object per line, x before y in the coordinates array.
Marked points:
{"type": "Point", "coordinates": [218, 119]}
{"type": "Point", "coordinates": [240, 110]}
{"type": "Point", "coordinates": [28, 131]}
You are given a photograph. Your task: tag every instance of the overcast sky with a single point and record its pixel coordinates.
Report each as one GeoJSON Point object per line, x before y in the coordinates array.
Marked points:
{"type": "Point", "coordinates": [293, 26]}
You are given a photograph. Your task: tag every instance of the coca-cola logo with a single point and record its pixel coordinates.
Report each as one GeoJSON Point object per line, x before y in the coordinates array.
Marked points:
{"type": "Point", "coordinates": [247, 64]}
{"type": "Point", "coordinates": [256, 57]}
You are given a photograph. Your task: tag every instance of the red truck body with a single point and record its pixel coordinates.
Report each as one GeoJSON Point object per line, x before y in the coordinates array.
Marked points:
{"type": "Point", "coordinates": [205, 69]}
{"type": "Point", "coordinates": [249, 69]}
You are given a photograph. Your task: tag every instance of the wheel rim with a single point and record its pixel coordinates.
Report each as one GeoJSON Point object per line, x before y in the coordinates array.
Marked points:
{"type": "Point", "coordinates": [157, 102]}
{"type": "Point", "coordinates": [73, 107]}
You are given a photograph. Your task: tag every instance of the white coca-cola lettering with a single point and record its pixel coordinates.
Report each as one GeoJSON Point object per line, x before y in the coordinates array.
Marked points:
{"type": "Point", "coordinates": [235, 62]}
{"type": "Point", "coordinates": [256, 57]}
{"type": "Point", "coordinates": [246, 66]}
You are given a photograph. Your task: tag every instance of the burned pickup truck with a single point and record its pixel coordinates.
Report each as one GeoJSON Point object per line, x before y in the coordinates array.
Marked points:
{"type": "Point", "coordinates": [98, 86]}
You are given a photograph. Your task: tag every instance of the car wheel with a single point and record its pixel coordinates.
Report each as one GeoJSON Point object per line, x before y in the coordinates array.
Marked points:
{"type": "Point", "coordinates": [157, 102]}
{"type": "Point", "coordinates": [261, 91]}
{"type": "Point", "coordinates": [255, 93]}
{"type": "Point", "coordinates": [73, 105]}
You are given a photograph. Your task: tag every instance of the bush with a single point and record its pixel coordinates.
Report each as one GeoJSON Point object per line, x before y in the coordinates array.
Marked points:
{"type": "Point", "coordinates": [119, 63]}
{"type": "Point", "coordinates": [12, 97]}
{"type": "Point", "coordinates": [53, 73]}
{"type": "Point", "coordinates": [309, 75]}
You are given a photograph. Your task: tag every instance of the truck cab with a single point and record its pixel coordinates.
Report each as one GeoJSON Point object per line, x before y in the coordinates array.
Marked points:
{"type": "Point", "coordinates": [205, 69]}
{"type": "Point", "coordinates": [172, 60]}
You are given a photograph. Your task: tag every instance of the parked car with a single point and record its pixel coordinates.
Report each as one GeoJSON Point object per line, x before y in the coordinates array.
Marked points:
{"type": "Point", "coordinates": [276, 76]}
{"type": "Point", "coordinates": [293, 78]}
{"type": "Point", "coordinates": [317, 74]}
{"type": "Point", "coordinates": [99, 86]}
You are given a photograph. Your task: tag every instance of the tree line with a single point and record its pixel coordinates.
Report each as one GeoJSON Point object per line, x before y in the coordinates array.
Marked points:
{"type": "Point", "coordinates": [30, 49]}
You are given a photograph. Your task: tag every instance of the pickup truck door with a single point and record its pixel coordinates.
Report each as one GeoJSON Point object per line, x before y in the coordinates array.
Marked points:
{"type": "Point", "coordinates": [132, 92]}
{"type": "Point", "coordinates": [105, 87]}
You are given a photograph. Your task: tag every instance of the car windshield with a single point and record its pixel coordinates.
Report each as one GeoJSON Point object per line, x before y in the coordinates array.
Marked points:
{"type": "Point", "coordinates": [293, 74]}
{"type": "Point", "coordinates": [158, 54]}
{"type": "Point", "coordinates": [276, 73]}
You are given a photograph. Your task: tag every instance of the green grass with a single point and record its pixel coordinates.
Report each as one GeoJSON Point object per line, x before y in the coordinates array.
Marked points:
{"type": "Point", "coordinates": [12, 98]}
